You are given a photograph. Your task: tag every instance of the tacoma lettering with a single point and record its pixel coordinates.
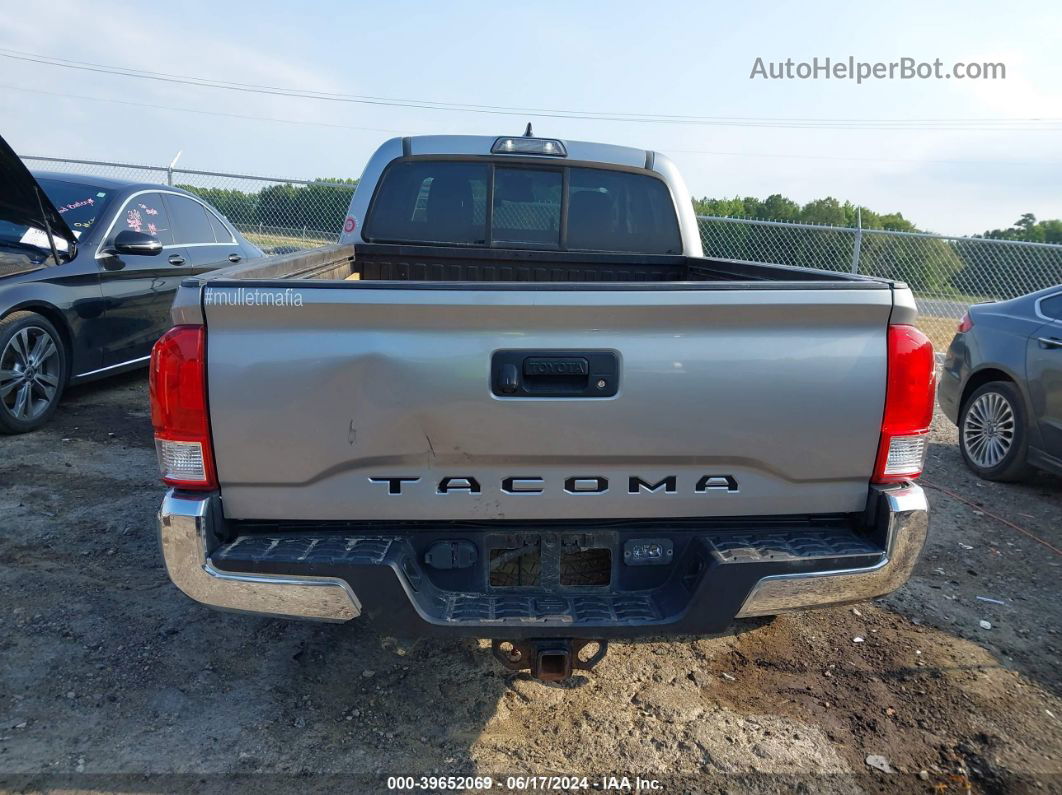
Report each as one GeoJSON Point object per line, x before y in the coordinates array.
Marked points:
{"type": "Point", "coordinates": [574, 484]}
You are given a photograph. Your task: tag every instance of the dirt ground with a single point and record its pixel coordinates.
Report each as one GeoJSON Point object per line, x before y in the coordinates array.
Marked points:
{"type": "Point", "coordinates": [112, 680]}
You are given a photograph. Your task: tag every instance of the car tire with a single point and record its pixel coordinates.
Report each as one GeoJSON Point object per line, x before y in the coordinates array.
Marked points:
{"type": "Point", "coordinates": [993, 432]}
{"type": "Point", "coordinates": [33, 371]}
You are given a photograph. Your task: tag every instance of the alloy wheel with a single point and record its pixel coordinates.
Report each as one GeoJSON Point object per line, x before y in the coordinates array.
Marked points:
{"type": "Point", "coordinates": [988, 432]}
{"type": "Point", "coordinates": [30, 372]}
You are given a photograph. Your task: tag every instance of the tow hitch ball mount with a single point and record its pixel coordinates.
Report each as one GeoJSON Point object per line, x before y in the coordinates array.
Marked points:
{"type": "Point", "coordinates": [548, 659]}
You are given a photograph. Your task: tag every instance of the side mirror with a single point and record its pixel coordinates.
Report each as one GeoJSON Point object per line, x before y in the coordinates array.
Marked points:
{"type": "Point", "coordinates": [129, 242]}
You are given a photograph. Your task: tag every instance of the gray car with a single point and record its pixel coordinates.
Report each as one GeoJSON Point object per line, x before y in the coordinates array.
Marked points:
{"type": "Point", "coordinates": [1002, 386]}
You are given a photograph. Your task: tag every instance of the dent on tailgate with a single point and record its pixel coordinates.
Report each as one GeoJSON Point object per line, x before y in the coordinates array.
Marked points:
{"type": "Point", "coordinates": [379, 404]}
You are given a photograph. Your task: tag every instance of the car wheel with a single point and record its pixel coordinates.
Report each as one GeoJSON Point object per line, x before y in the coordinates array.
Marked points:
{"type": "Point", "coordinates": [33, 366]}
{"type": "Point", "coordinates": [992, 432]}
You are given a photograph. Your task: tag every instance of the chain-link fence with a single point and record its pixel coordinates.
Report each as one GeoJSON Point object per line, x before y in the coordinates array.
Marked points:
{"type": "Point", "coordinates": [276, 214]}
{"type": "Point", "coordinates": [946, 273]}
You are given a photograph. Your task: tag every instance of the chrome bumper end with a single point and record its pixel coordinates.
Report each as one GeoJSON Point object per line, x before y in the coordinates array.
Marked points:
{"type": "Point", "coordinates": [186, 534]}
{"type": "Point", "coordinates": [906, 514]}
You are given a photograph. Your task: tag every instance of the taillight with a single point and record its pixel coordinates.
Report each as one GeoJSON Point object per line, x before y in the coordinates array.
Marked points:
{"type": "Point", "coordinates": [908, 413]}
{"type": "Point", "coordinates": [966, 323]}
{"type": "Point", "coordinates": [177, 383]}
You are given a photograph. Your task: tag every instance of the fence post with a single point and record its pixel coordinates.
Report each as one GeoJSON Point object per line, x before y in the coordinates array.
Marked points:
{"type": "Point", "coordinates": [169, 168]}
{"type": "Point", "coordinates": [858, 241]}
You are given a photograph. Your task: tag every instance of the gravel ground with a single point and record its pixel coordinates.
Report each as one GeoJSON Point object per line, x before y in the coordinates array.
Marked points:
{"type": "Point", "coordinates": [110, 679]}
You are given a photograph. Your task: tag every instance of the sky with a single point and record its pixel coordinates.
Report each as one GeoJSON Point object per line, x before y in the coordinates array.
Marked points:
{"type": "Point", "coordinates": [880, 144]}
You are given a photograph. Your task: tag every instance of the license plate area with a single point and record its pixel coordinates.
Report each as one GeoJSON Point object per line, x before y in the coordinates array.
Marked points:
{"type": "Point", "coordinates": [550, 561]}
{"type": "Point", "coordinates": [515, 565]}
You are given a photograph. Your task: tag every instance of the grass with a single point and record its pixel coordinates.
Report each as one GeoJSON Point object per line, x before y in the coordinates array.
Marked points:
{"type": "Point", "coordinates": [268, 241]}
{"type": "Point", "coordinates": [940, 330]}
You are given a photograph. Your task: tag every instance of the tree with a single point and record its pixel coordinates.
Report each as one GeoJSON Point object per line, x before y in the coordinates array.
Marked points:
{"type": "Point", "coordinates": [1028, 229]}
{"type": "Point", "coordinates": [237, 206]}
{"type": "Point", "coordinates": [895, 222]}
{"type": "Point", "coordinates": [1052, 231]}
{"type": "Point", "coordinates": [318, 207]}
{"type": "Point", "coordinates": [824, 211]}
{"type": "Point", "coordinates": [777, 207]}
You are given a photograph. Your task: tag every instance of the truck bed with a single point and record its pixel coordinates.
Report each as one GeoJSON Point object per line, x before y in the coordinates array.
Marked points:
{"type": "Point", "coordinates": [386, 262]}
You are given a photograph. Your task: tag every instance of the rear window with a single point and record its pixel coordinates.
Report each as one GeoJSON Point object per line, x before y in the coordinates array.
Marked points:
{"type": "Point", "coordinates": [617, 211]}
{"type": "Point", "coordinates": [1052, 307]}
{"type": "Point", "coordinates": [445, 201]}
{"type": "Point", "coordinates": [431, 202]}
{"type": "Point", "coordinates": [190, 222]}
{"type": "Point", "coordinates": [221, 232]}
{"type": "Point", "coordinates": [527, 206]}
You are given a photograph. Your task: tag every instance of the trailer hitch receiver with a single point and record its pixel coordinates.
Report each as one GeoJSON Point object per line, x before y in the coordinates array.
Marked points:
{"type": "Point", "coordinates": [548, 659]}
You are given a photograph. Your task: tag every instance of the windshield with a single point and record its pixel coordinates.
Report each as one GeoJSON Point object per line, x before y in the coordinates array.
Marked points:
{"type": "Point", "coordinates": [445, 201]}
{"type": "Point", "coordinates": [79, 204]}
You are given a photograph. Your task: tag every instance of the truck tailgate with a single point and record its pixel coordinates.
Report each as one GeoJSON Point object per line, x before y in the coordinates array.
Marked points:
{"type": "Point", "coordinates": [730, 401]}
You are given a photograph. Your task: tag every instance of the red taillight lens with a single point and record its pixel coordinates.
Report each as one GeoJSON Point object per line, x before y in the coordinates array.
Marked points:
{"type": "Point", "coordinates": [966, 323]}
{"type": "Point", "coordinates": [908, 414]}
{"type": "Point", "coordinates": [177, 383]}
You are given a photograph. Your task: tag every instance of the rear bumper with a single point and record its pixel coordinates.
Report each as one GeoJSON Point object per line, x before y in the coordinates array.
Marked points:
{"type": "Point", "coordinates": [188, 525]}
{"type": "Point", "coordinates": [906, 518]}
{"type": "Point", "coordinates": [720, 572]}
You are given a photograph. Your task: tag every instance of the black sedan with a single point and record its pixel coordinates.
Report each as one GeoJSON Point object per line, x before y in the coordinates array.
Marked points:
{"type": "Point", "coordinates": [1002, 385]}
{"type": "Point", "coordinates": [88, 270]}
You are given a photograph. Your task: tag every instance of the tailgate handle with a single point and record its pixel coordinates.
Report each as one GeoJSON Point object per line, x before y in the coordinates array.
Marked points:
{"type": "Point", "coordinates": [510, 379]}
{"type": "Point", "coordinates": [568, 374]}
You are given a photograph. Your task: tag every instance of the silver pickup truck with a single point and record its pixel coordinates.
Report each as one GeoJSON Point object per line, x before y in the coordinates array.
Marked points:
{"type": "Point", "coordinates": [517, 402]}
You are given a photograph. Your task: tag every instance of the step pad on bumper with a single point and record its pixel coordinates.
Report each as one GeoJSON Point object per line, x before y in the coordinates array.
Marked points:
{"type": "Point", "coordinates": [618, 609]}
{"type": "Point", "coordinates": [728, 546]}
{"type": "Point", "coordinates": [738, 547]}
{"type": "Point", "coordinates": [727, 561]}
{"type": "Point", "coordinates": [292, 548]}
